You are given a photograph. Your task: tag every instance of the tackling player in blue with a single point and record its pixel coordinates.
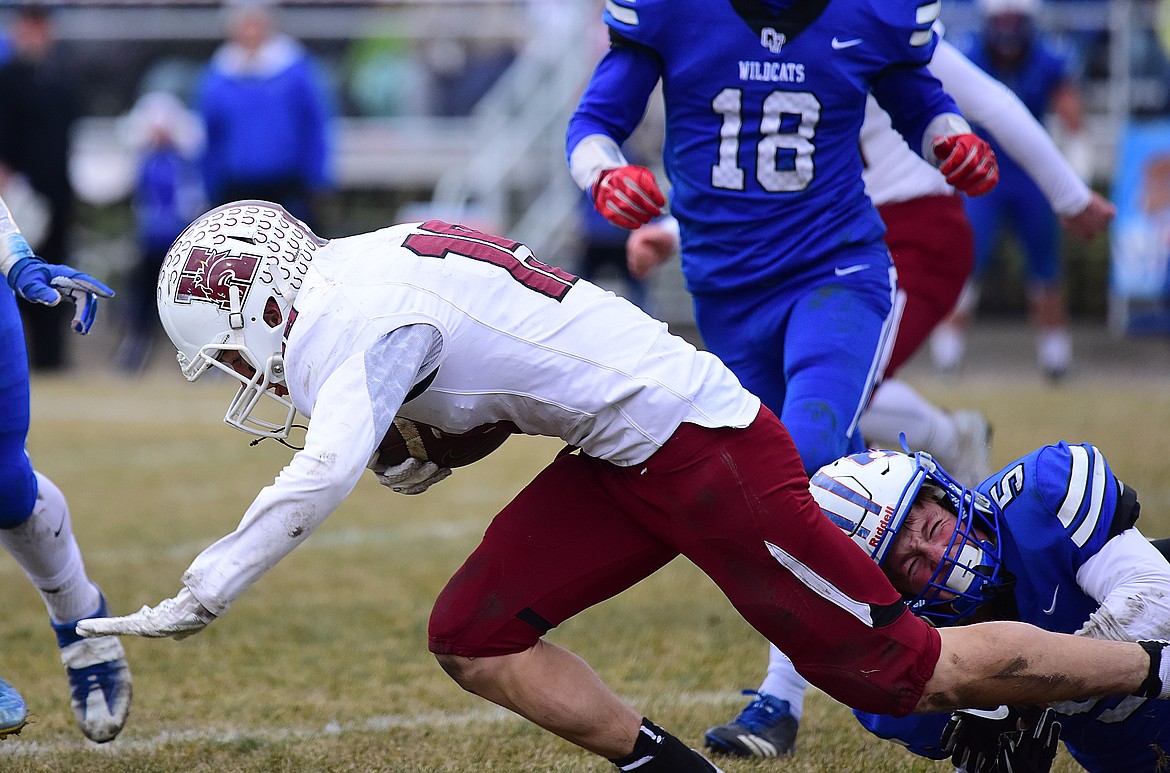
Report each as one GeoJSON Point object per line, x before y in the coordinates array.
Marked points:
{"type": "Point", "coordinates": [793, 286]}
{"type": "Point", "coordinates": [1012, 49]}
{"type": "Point", "coordinates": [1049, 540]}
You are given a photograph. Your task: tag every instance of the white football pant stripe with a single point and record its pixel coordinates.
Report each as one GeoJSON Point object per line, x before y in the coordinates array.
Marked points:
{"type": "Point", "coordinates": [885, 348]}
{"type": "Point", "coordinates": [820, 586]}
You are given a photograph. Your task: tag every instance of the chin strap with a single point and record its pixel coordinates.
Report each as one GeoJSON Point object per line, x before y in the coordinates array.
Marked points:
{"type": "Point", "coordinates": [1157, 682]}
{"type": "Point", "coordinates": [256, 441]}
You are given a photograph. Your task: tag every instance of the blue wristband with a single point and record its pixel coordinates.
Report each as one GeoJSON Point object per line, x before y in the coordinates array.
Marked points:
{"type": "Point", "coordinates": [20, 266]}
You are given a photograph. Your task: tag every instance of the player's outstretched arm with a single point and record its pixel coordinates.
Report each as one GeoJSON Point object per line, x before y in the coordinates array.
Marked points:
{"type": "Point", "coordinates": [989, 103]}
{"type": "Point", "coordinates": [989, 664]}
{"type": "Point", "coordinates": [1093, 219]}
{"type": "Point", "coordinates": [39, 282]}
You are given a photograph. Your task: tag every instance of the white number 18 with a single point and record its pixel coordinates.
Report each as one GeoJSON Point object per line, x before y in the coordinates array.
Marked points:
{"type": "Point", "coordinates": [795, 143]}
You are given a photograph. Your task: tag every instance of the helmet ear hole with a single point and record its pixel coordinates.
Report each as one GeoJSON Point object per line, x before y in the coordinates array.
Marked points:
{"type": "Point", "coordinates": [273, 317]}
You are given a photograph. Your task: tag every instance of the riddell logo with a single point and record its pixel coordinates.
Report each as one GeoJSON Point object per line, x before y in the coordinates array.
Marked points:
{"type": "Point", "coordinates": [207, 275]}
{"type": "Point", "coordinates": [883, 525]}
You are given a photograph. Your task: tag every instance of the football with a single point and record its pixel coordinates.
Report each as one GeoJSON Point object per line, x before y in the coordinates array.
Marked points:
{"type": "Point", "coordinates": [407, 438]}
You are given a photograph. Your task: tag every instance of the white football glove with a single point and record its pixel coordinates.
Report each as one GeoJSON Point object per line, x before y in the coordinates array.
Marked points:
{"type": "Point", "coordinates": [177, 618]}
{"type": "Point", "coordinates": [413, 476]}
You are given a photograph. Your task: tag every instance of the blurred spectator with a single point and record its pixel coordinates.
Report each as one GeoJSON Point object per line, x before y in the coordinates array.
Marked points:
{"type": "Point", "coordinates": [1163, 25]}
{"type": "Point", "coordinates": [168, 195]}
{"type": "Point", "coordinates": [385, 77]}
{"type": "Point", "coordinates": [268, 116]}
{"type": "Point", "coordinates": [1012, 49]}
{"type": "Point", "coordinates": [37, 110]}
{"type": "Point", "coordinates": [462, 72]}
{"type": "Point", "coordinates": [461, 69]}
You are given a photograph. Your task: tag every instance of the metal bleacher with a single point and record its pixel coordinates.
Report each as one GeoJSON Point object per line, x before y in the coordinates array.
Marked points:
{"type": "Point", "coordinates": [501, 163]}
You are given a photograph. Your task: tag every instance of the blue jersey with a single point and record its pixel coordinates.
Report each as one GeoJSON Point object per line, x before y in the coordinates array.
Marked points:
{"type": "Point", "coordinates": [1059, 506]}
{"type": "Point", "coordinates": [167, 197]}
{"type": "Point", "coordinates": [1042, 70]}
{"type": "Point", "coordinates": [764, 103]}
{"type": "Point", "coordinates": [270, 127]}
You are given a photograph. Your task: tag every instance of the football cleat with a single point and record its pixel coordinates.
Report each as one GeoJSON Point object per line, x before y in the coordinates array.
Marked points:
{"type": "Point", "coordinates": [99, 679]}
{"type": "Point", "coordinates": [13, 710]}
{"type": "Point", "coordinates": [765, 728]}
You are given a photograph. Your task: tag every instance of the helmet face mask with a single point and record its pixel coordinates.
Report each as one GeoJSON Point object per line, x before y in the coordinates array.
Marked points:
{"type": "Point", "coordinates": [869, 496]}
{"type": "Point", "coordinates": [1009, 29]}
{"type": "Point", "coordinates": [255, 409]}
{"type": "Point", "coordinates": [227, 284]}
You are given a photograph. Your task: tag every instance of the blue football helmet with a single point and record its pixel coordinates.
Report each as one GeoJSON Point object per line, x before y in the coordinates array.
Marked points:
{"type": "Point", "coordinates": [868, 495]}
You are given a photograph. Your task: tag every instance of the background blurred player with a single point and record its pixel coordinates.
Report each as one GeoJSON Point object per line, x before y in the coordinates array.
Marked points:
{"type": "Point", "coordinates": [168, 193]}
{"type": "Point", "coordinates": [1013, 50]}
{"type": "Point", "coordinates": [1050, 540]}
{"type": "Point", "coordinates": [458, 329]}
{"type": "Point", "coordinates": [35, 527]}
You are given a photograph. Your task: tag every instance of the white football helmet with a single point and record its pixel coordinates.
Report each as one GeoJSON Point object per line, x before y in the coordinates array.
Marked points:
{"type": "Point", "coordinates": [228, 284]}
{"type": "Point", "coordinates": [868, 496]}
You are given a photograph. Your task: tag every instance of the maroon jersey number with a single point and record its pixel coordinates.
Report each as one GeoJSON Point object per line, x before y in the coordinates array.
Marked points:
{"type": "Point", "coordinates": [442, 238]}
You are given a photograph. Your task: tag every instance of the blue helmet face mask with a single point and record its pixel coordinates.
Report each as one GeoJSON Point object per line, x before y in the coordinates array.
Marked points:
{"type": "Point", "coordinates": [1009, 37]}
{"type": "Point", "coordinates": [1009, 30]}
{"type": "Point", "coordinates": [869, 495]}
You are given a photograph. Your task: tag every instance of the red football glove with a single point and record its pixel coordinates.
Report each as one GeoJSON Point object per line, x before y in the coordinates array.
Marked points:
{"type": "Point", "coordinates": [628, 196]}
{"type": "Point", "coordinates": [967, 162]}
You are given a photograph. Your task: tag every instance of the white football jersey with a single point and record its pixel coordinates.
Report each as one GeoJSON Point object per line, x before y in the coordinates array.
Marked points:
{"type": "Point", "coordinates": [893, 172]}
{"type": "Point", "coordinates": [522, 342]}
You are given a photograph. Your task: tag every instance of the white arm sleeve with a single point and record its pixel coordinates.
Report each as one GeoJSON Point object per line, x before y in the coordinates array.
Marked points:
{"type": "Point", "coordinates": [592, 156]}
{"type": "Point", "coordinates": [942, 125]}
{"type": "Point", "coordinates": [992, 105]}
{"type": "Point", "coordinates": [10, 238]}
{"type": "Point", "coordinates": [352, 412]}
{"type": "Point", "coordinates": [1131, 580]}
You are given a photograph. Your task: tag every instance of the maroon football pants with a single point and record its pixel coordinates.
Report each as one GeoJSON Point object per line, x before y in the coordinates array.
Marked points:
{"type": "Point", "coordinates": [934, 252]}
{"type": "Point", "coordinates": [733, 501]}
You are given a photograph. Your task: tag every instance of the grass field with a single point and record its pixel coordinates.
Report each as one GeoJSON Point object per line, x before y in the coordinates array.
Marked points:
{"type": "Point", "coordinates": [322, 666]}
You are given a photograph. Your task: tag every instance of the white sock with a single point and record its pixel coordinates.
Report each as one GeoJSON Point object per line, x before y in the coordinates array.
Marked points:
{"type": "Point", "coordinates": [896, 407]}
{"type": "Point", "coordinates": [783, 682]}
{"type": "Point", "coordinates": [45, 548]}
{"type": "Point", "coordinates": [947, 347]}
{"type": "Point", "coordinates": [1054, 348]}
